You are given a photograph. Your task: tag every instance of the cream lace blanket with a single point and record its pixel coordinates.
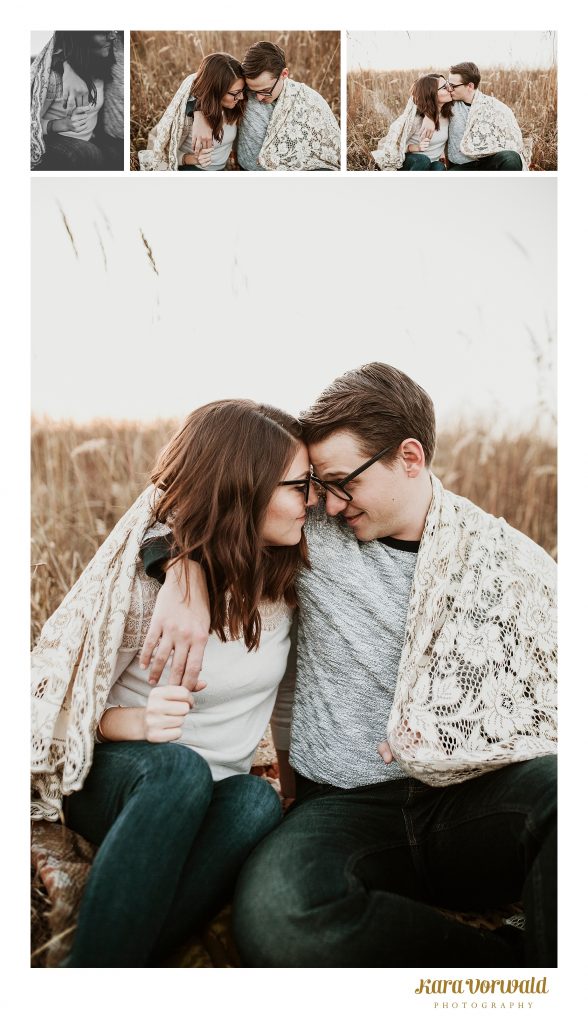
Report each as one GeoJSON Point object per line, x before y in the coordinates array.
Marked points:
{"type": "Point", "coordinates": [162, 146]}
{"type": "Point", "coordinates": [303, 134]}
{"type": "Point", "coordinates": [476, 683]}
{"type": "Point", "coordinates": [491, 128]}
{"type": "Point", "coordinates": [75, 659]}
{"type": "Point", "coordinates": [44, 86]}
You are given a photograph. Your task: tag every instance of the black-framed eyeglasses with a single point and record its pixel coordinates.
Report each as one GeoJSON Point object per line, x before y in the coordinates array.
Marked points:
{"type": "Point", "coordinates": [266, 92]}
{"type": "Point", "coordinates": [303, 484]}
{"type": "Point", "coordinates": [337, 487]}
{"type": "Point", "coordinates": [240, 92]}
{"type": "Point", "coordinates": [454, 85]}
{"type": "Point", "coordinates": [445, 85]}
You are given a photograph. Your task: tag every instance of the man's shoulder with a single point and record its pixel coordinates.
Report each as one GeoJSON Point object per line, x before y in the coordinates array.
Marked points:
{"type": "Point", "coordinates": [490, 101]}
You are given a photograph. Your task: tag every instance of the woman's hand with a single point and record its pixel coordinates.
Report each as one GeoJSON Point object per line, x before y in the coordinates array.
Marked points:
{"type": "Point", "coordinates": [179, 626]}
{"type": "Point", "coordinates": [165, 713]}
{"type": "Point", "coordinates": [201, 132]}
{"type": "Point", "coordinates": [385, 753]}
{"type": "Point", "coordinates": [76, 121]}
{"type": "Point", "coordinates": [75, 90]}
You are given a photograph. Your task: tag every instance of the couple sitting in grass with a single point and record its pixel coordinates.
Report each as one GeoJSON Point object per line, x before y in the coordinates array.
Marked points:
{"type": "Point", "coordinates": [403, 643]}
{"type": "Point", "coordinates": [450, 124]}
{"type": "Point", "coordinates": [250, 115]}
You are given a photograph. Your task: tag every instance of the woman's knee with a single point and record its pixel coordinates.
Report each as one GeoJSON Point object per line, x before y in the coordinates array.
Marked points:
{"type": "Point", "coordinates": [255, 805]}
{"type": "Point", "coordinates": [416, 162]}
{"type": "Point", "coordinates": [175, 769]}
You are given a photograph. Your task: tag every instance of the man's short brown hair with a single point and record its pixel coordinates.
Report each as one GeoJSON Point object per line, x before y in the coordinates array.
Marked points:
{"type": "Point", "coordinates": [380, 405]}
{"type": "Point", "coordinates": [468, 72]}
{"type": "Point", "coordinates": [263, 56]}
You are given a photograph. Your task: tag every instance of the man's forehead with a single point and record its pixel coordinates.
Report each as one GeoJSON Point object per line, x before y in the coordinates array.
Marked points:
{"type": "Point", "coordinates": [454, 79]}
{"type": "Point", "coordinates": [265, 78]}
{"type": "Point", "coordinates": [336, 453]}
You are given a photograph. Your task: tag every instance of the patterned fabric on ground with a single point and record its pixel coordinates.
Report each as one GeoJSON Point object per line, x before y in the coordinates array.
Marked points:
{"type": "Point", "coordinates": [477, 679]}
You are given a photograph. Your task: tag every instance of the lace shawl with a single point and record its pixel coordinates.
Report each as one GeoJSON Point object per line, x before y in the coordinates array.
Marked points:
{"type": "Point", "coordinates": [476, 685]}
{"type": "Point", "coordinates": [303, 134]}
{"type": "Point", "coordinates": [162, 146]}
{"type": "Point", "coordinates": [491, 128]}
{"type": "Point", "coordinates": [45, 85]}
{"type": "Point", "coordinates": [75, 659]}
{"type": "Point", "coordinates": [392, 150]}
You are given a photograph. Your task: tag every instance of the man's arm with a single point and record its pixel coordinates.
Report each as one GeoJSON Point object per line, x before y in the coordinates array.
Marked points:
{"type": "Point", "coordinates": [180, 623]}
{"type": "Point", "coordinates": [201, 133]}
{"type": "Point", "coordinates": [75, 90]}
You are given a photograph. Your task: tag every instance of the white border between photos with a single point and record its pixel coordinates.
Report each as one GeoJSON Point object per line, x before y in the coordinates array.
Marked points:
{"type": "Point", "coordinates": [239, 995]}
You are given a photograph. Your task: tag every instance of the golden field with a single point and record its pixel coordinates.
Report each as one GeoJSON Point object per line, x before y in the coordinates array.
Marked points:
{"type": "Point", "coordinates": [85, 477]}
{"type": "Point", "coordinates": [161, 60]}
{"type": "Point", "coordinates": [376, 98]}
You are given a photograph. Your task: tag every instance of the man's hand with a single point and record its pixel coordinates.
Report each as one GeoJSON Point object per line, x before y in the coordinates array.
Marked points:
{"type": "Point", "coordinates": [287, 778]}
{"type": "Point", "coordinates": [427, 129]}
{"type": "Point", "coordinates": [75, 90]}
{"type": "Point", "coordinates": [201, 133]}
{"type": "Point", "coordinates": [180, 627]}
{"type": "Point", "coordinates": [165, 713]}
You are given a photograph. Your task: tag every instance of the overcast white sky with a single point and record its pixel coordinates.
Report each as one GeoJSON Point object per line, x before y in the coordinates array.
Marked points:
{"type": "Point", "coordinates": [269, 294]}
{"type": "Point", "coordinates": [440, 49]}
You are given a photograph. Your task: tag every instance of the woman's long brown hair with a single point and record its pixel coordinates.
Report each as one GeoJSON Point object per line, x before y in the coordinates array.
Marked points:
{"type": "Point", "coordinates": [216, 478]}
{"type": "Point", "coordinates": [215, 76]}
{"type": "Point", "coordinates": [424, 94]}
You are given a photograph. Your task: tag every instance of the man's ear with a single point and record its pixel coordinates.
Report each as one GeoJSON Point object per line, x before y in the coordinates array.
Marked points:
{"type": "Point", "coordinates": [412, 454]}
{"type": "Point", "coordinates": [285, 73]}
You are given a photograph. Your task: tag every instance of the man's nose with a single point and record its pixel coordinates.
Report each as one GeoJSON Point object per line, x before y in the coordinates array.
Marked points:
{"type": "Point", "coordinates": [333, 504]}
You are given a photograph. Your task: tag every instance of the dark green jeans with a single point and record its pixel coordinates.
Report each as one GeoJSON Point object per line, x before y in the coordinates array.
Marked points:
{"type": "Point", "coordinates": [171, 841]}
{"type": "Point", "coordinates": [353, 878]}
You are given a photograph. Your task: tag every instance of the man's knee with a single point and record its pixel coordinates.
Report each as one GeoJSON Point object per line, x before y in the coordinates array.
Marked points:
{"type": "Point", "coordinates": [508, 160]}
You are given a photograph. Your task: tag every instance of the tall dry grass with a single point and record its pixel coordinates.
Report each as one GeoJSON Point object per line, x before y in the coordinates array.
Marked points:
{"type": "Point", "coordinates": [85, 477]}
{"type": "Point", "coordinates": [161, 60]}
{"type": "Point", "coordinates": [375, 98]}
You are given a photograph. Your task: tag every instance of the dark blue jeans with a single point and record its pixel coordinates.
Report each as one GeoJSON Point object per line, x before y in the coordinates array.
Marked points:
{"type": "Point", "coordinates": [353, 878]}
{"type": "Point", "coordinates": [507, 160]}
{"type": "Point", "coordinates": [421, 162]}
{"type": "Point", "coordinates": [171, 846]}
{"type": "Point", "coordinates": [101, 153]}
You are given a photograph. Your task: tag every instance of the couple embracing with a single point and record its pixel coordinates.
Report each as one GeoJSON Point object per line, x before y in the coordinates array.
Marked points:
{"type": "Point", "coordinates": [401, 640]}
{"type": "Point", "coordinates": [450, 124]}
{"type": "Point", "coordinates": [249, 115]}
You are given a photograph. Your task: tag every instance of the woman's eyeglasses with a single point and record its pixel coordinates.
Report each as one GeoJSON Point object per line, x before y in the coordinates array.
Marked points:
{"type": "Point", "coordinates": [240, 92]}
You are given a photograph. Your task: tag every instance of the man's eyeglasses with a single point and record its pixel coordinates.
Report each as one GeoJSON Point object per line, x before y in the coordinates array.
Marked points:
{"type": "Point", "coordinates": [453, 85]}
{"type": "Point", "coordinates": [266, 92]}
{"type": "Point", "coordinates": [337, 487]}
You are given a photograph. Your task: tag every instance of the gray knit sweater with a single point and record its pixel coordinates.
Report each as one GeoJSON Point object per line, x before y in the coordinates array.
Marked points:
{"type": "Point", "coordinates": [353, 606]}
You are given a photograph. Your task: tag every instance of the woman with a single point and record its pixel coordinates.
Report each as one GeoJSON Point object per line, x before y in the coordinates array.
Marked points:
{"type": "Point", "coordinates": [404, 149]}
{"type": "Point", "coordinates": [72, 138]}
{"type": "Point", "coordinates": [217, 90]}
{"type": "Point", "coordinates": [162, 782]}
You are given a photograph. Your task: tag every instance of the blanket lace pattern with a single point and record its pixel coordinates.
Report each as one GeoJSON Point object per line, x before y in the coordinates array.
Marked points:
{"type": "Point", "coordinates": [45, 86]}
{"type": "Point", "coordinates": [108, 610]}
{"type": "Point", "coordinates": [303, 134]}
{"type": "Point", "coordinates": [477, 680]}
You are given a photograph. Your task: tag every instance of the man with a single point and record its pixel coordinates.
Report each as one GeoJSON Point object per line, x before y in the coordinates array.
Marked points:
{"type": "Point", "coordinates": [286, 125]}
{"type": "Point", "coordinates": [483, 132]}
{"type": "Point", "coordinates": [419, 602]}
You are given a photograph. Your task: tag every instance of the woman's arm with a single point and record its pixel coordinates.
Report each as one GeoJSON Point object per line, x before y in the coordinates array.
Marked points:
{"type": "Point", "coordinates": [160, 721]}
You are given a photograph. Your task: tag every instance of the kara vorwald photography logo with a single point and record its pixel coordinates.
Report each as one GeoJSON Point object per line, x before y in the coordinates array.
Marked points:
{"type": "Point", "coordinates": [490, 993]}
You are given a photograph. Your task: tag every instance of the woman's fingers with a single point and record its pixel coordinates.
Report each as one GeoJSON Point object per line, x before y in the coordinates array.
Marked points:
{"type": "Point", "coordinates": [385, 753]}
